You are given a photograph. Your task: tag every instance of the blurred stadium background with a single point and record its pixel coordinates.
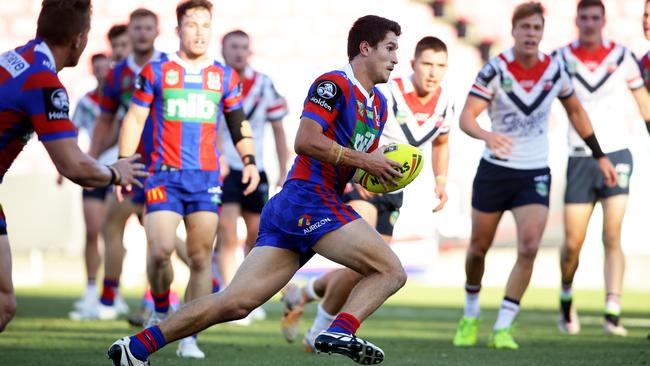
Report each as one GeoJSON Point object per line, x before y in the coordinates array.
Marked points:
{"type": "Point", "coordinates": [294, 41]}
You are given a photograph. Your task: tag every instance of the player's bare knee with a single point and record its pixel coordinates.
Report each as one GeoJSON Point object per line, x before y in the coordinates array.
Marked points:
{"type": "Point", "coordinates": [477, 249]}
{"type": "Point", "coordinates": [528, 251]}
{"type": "Point", "coordinates": [199, 261]}
{"type": "Point", "coordinates": [238, 307]}
{"type": "Point", "coordinates": [159, 255]}
{"type": "Point", "coordinates": [7, 309]}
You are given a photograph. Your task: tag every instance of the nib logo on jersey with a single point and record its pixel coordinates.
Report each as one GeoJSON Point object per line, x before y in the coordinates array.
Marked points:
{"type": "Point", "coordinates": [189, 105]}
{"type": "Point", "coordinates": [57, 105]}
{"type": "Point", "coordinates": [304, 222]}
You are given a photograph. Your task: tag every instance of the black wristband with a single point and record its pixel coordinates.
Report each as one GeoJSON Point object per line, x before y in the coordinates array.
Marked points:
{"type": "Point", "coordinates": [592, 142]}
{"type": "Point", "coordinates": [647, 125]}
{"type": "Point", "coordinates": [113, 176]}
{"type": "Point", "coordinates": [248, 159]}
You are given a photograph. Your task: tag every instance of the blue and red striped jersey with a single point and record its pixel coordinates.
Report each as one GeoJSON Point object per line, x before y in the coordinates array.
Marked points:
{"type": "Point", "coordinates": [350, 116]}
{"type": "Point", "coordinates": [118, 90]}
{"type": "Point", "coordinates": [31, 99]}
{"type": "Point", "coordinates": [185, 101]}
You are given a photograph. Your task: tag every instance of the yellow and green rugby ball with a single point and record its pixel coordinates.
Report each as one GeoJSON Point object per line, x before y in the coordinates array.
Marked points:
{"type": "Point", "coordinates": [410, 157]}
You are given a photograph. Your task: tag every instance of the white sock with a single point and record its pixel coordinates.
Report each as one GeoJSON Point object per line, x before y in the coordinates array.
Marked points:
{"type": "Point", "coordinates": [613, 304]}
{"type": "Point", "coordinates": [91, 290]}
{"type": "Point", "coordinates": [309, 290]}
{"type": "Point", "coordinates": [472, 304]}
{"type": "Point", "coordinates": [322, 321]}
{"type": "Point", "coordinates": [507, 313]}
{"type": "Point", "coordinates": [566, 293]}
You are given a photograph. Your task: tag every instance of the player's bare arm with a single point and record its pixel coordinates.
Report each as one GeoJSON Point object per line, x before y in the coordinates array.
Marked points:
{"type": "Point", "coordinates": [500, 145]}
{"type": "Point", "coordinates": [642, 98]}
{"type": "Point", "coordinates": [71, 162]}
{"type": "Point", "coordinates": [131, 130]}
{"type": "Point", "coordinates": [440, 163]}
{"type": "Point", "coordinates": [103, 135]}
{"type": "Point", "coordinates": [580, 121]}
{"type": "Point", "coordinates": [242, 137]}
{"type": "Point", "coordinates": [310, 141]}
{"type": "Point", "coordinates": [281, 150]}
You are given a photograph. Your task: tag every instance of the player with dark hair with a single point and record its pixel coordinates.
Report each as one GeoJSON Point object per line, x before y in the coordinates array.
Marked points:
{"type": "Point", "coordinates": [118, 37]}
{"type": "Point", "coordinates": [142, 30]}
{"type": "Point", "coordinates": [604, 74]}
{"type": "Point", "coordinates": [343, 117]}
{"type": "Point", "coordinates": [517, 89]}
{"type": "Point", "coordinates": [32, 99]}
{"type": "Point", "coordinates": [420, 112]}
{"type": "Point", "coordinates": [183, 97]}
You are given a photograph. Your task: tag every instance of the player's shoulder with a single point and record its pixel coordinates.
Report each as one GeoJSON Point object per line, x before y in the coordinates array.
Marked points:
{"type": "Point", "coordinates": [332, 83]}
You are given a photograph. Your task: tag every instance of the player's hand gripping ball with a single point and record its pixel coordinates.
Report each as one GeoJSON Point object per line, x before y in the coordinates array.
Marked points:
{"type": "Point", "coordinates": [410, 157]}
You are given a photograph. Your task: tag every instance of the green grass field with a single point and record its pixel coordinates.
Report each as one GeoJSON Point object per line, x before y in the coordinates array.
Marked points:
{"type": "Point", "coordinates": [414, 328]}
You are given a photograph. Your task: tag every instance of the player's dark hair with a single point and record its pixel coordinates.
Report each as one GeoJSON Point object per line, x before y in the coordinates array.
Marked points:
{"type": "Point", "coordinates": [527, 9]}
{"type": "Point", "coordinates": [142, 13]}
{"type": "Point", "coordinates": [233, 33]}
{"type": "Point", "coordinates": [430, 43]}
{"type": "Point", "coordinates": [186, 5]}
{"type": "Point", "coordinates": [589, 3]}
{"type": "Point", "coordinates": [116, 31]}
{"type": "Point", "coordinates": [61, 20]}
{"type": "Point", "coordinates": [371, 29]}
{"type": "Point", "coordinates": [97, 57]}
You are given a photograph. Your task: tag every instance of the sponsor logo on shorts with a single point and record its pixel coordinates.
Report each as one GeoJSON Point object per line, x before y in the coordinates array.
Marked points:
{"type": "Point", "coordinates": [623, 171]}
{"type": "Point", "coordinates": [316, 225]}
{"type": "Point", "coordinates": [216, 194]}
{"type": "Point", "coordinates": [156, 195]}
{"type": "Point", "coordinates": [304, 220]}
{"type": "Point", "coordinates": [541, 185]}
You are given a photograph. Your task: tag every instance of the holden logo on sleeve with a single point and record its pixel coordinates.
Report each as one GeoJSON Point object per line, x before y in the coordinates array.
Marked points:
{"type": "Point", "coordinates": [57, 104]}
{"type": "Point", "coordinates": [326, 89]}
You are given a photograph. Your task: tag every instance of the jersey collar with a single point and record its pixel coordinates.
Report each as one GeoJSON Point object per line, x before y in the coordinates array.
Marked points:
{"type": "Point", "coordinates": [130, 61]}
{"type": "Point", "coordinates": [350, 74]}
{"type": "Point", "coordinates": [43, 48]}
{"type": "Point", "coordinates": [191, 68]}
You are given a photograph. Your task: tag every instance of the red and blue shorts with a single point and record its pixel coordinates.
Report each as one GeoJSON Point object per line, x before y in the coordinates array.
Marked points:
{"type": "Point", "coordinates": [183, 191]}
{"type": "Point", "coordinates": [300, 215]}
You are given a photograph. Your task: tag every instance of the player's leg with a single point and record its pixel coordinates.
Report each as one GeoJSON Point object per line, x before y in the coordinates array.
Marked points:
{"type": "Point", "coordinates": [94, 211]}
{"type": "Point", "coordinates": [359, 247]}
{"type": "Point", "coordinates": [262, 274]}
{"type": "Point", "coordinates": [252, 220]}
{"type": "Point", "coordinates": [7, 296]}
{"type": "Point", "coordinates": [484, 227]}
{"type": "Point", "coordinates": [530, 221]}
{"type": "Point", "coordinates": [160, 228]}
{"type": "Point", "coordinates": [201, 229]}
{"type": "Point", "coordinates": [579, 199]}
{"type": "Point", "coordinates": [340, 284]}
{"type": "Point", "coordinates": [576, 221]}
{"type": "Point", "coordinates": [227, 242]}
{"type": "Point", "coordinates": [613, 213]}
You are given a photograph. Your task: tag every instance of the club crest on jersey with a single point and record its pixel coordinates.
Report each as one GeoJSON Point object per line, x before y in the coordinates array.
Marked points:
{"type": "Point", "coordinates": [401, 117]}
{"type": "Point", "coordinates": [172, 77]}
{"type": "Point", "coordinates": [126, 82]}
{"type": "Point", "coordinates": [214, 81]}
{"type": "Point", "coordinates": [506, 84]}
{"type": "Point", "coordinates": [611, 67]}
{"type": "Point", "coordinates": [572, 66]}
{"type": "Point", "coordinates": [57, 104]}
{"type": "Point", "coordinates": [548, 85]}
{"type": "Point", "coordinates": [326, 89]}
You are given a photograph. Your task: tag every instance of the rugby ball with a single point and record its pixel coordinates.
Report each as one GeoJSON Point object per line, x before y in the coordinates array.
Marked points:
{"type": "Point", "coordinates": [410, 157]}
